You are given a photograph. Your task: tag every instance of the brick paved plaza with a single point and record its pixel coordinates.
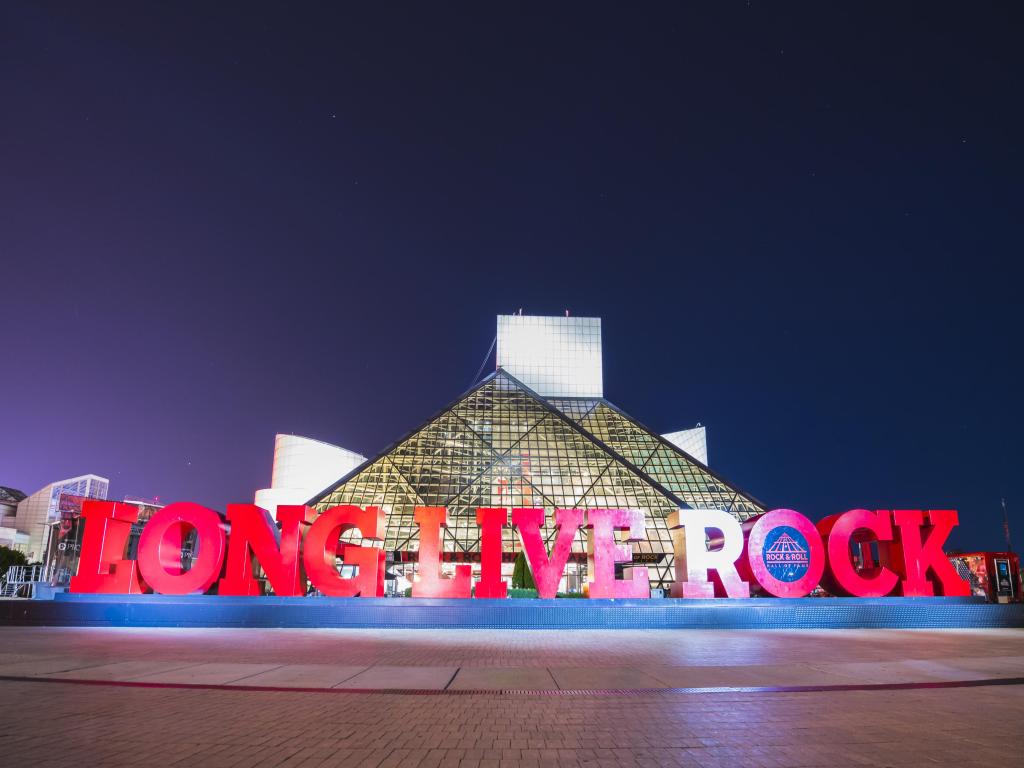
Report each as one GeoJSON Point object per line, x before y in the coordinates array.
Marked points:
{"type": "Point", "coordinates": [579, 703]}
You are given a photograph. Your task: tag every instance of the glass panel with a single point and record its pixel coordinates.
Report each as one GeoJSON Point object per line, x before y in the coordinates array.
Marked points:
{"type": "Point", "coordinates": [621, 435]}
{"type": "Point", "coordinates": [574, 408]}
{"type": "Point", "coordinates": [696, 486]}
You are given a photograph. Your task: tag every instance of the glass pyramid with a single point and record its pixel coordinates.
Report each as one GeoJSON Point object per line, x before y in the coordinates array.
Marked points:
{"type": "Point", "coordinates": [503, 445]}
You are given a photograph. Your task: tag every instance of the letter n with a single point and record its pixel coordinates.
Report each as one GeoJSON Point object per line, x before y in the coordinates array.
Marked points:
{"type": "Point", "coordinates": [254, 537]}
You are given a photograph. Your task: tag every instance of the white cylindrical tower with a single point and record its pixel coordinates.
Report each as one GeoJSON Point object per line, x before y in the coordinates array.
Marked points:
{"type": "Point", "coordinates": [302, 468]}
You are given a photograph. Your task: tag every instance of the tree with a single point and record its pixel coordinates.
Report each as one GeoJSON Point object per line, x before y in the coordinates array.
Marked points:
{"type": "Point", "coordinates": [9, 557]}
{"type": "Point", "coordinates": [522, 576]}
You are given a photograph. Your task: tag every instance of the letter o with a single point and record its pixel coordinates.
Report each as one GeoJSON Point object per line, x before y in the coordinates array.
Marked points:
{"type": "Point", "coordinates": [160, 549]}
{"type": "Point", "coordinates": [785, 550]}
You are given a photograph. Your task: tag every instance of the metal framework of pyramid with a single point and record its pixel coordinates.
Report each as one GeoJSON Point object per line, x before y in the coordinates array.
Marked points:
{"type": "Point", "coordinates": [503, 445]}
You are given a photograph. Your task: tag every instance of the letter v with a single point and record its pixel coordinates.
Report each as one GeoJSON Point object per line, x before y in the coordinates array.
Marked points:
{"type": "Point", "coordinates": [547, 570]}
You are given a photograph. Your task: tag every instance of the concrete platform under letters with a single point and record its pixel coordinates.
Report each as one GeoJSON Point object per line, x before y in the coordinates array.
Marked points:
{"type": "Point", "coordinates": [407, 613]}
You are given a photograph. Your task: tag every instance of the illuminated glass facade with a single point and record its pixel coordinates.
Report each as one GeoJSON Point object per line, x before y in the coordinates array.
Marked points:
{"type": "Point", "coordinates": [504, 445]}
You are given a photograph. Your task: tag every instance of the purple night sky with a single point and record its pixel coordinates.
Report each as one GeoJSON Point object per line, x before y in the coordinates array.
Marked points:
{"type": "Point", "coordinates": [800, 225]}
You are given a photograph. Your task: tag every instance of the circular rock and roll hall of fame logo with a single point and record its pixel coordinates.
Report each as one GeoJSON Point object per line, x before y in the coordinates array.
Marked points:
{"type": "Point", "coordinates": [786, 554]}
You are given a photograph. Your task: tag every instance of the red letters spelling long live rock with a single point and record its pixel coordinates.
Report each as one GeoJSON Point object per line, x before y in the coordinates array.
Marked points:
{"type": "Point", "coordinates": [779, 553]}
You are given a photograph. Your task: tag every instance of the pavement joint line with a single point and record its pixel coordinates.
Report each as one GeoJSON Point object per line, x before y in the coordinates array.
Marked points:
{"type": "Point", "coordinates": [354, 674]}
{"type": "Point", "coordinates": [602, 692]}
{"type": "Point", "coordinates": [253, 674]}
{"type": "Point", "coordinates": [184, 665]}
{"type": "Point", "coordinates": [553, 678]}
{"type": "Point", "coordinates": [450, 679]}
{"type": "Point", "coordinates": [75, 669]}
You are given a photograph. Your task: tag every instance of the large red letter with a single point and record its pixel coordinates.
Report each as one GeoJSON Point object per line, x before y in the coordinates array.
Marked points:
{"type": "Point", "coordinates": [694, 561]}
{"type": "Point", "coordinates": [428, 581]}
{"type": "Point", "coordinates": [321, 550]}
{"type": "Point", "coordinates": [491, 522]}
{"type": "Point", "coordinates": [254, 535]}
{"type": "Point", "coordinates": [547, 571]}
{"type": "Point", "coordinates": [923, 564]}
{"type": "Point", "coordinates": [603, 553]}
{"type": "Point", "coordinates": [160, 549]}
{"type": "Point", "coordinates": [841, 577]}
{"type": "Point", "coordinates": [101, 567]}
{"type": "Point", "coordinates": [785, 553]}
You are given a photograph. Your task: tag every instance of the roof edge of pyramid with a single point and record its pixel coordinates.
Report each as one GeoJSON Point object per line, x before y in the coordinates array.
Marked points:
{"type": "Point", "coordinates": [676, 449]}
{"type": "Point", "coordinates": [611, 452]}
{"type": "Point", "coordinates": [615, 455]}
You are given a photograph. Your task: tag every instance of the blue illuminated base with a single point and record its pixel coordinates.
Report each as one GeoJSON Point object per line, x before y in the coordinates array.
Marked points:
{"type": "Point", "coordinates": [68, 610]}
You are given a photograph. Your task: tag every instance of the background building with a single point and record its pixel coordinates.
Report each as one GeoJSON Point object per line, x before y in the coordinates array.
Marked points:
{"type": "Point", "coordinates": [10, 536]}
{"type": "Point", "coordinates": [691, 441]}
{"type": "Point", "coordinates": [36, 512]}
{"type": "Point", "coordinates": [10, 498]}
{"type": "Point", "coordinates": [64, 538]}
{"type": "Point", "coordinates": [302, 468]}
{"type": "Point", "coordinates": [995, 576]}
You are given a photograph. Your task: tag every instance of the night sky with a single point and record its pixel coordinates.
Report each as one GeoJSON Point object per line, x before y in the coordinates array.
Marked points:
{"type": "Point", "coordinates": [800, 224]}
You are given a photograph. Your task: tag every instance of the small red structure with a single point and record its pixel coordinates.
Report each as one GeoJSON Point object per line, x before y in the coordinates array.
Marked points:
{"type": "Point", "coordinates": [993, 575]}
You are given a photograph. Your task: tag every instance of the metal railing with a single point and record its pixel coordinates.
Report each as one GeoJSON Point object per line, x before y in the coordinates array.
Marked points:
{"type": "Point", "coordinates": [18, 580]}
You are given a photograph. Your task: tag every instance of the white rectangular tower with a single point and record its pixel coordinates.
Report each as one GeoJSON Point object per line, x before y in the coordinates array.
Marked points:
{"type": "Point", "coordinates": [692, 441]}
{"type": "Point", "coordinates": [554, 356]}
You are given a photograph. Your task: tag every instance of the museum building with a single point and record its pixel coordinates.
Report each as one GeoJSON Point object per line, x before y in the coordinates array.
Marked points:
{"type": "Point", "coordinates": [537, 432]}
